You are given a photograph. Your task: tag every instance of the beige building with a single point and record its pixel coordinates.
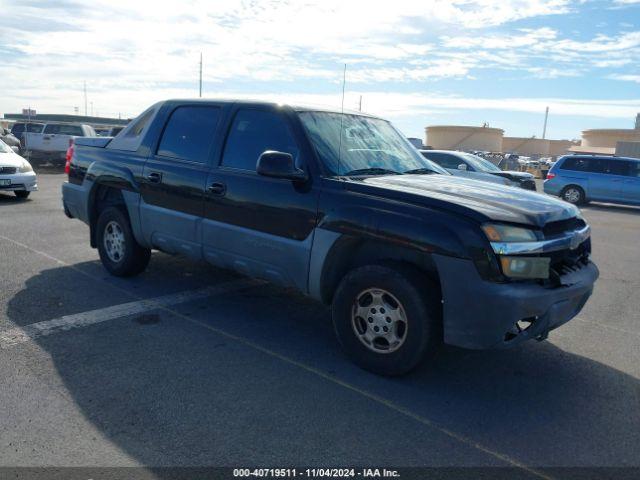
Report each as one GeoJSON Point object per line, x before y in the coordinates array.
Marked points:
{"type": "Point", "coordinates": [560, 147]}
{"type": "Point", "coordinates": [526, 146]}
{"type": "Point", "coordinates": [603, 141]}
{"type": "Point", "coordinates": [454, 137]}
{"type": "Point", "coordinates": [458, 137]}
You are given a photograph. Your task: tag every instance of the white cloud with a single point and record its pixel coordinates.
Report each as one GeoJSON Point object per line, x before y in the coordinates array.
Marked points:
{"type": "Point", "coordinates": [134, 53]}
{"type": "Point", "coordinates": [626, 77]}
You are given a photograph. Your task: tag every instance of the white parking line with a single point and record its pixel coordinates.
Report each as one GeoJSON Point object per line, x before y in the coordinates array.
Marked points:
{"type": "Point", "coordinates": [15, 336]}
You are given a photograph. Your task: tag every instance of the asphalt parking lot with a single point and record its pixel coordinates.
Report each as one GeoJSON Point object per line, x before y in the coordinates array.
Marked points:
{"type": "Point", "coordinates": [232, 372]}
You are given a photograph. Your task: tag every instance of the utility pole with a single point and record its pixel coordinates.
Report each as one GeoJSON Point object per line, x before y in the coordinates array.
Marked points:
{"type": "Point", "coordinates": [200, 74]}
{"type": "Point", "coordinates": [360, 104]}
{"type": "Point", "coordinates": [544, 129]}
{"type": "Point", "coordinates": [85, 98]}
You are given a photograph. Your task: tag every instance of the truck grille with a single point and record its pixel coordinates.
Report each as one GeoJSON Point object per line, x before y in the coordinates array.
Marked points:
{"type": "Point", "coordinates": [8, 170]}
{"type": "Point", "coordinates": [554, 229]}
{"type": "Point", "coordinates": [568, 261]}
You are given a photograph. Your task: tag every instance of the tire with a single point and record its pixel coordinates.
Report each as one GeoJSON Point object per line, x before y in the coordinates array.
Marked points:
{"type": "Point", "coordinates": [573, 194]}
{"type": "Point", "coordinates": [119, 252]}
{"type": "Point", "coordinates": [415, 295]}
{"type": "Point", "coordinates": [23, 194]}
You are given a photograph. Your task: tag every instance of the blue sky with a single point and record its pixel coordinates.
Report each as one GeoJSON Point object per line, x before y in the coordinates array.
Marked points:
{"type": "Point", "coordinates": [417, 63]}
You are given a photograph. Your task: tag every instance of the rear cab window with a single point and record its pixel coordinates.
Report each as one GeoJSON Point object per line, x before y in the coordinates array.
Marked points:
{"type": "Point", "coordinates": [130, 138]}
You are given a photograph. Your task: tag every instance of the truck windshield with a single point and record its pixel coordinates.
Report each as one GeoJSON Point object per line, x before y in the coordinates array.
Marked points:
{"type": "Point", "coordinates": [369, 146]}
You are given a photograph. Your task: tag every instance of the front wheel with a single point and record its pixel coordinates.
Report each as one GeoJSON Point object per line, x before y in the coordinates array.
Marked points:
{"type": "Point", "coordinates": [119, 252]}
{"type": "Point", "coordinates": [387, 318]}
{"type": "Point", "coordinates": [22, 194]}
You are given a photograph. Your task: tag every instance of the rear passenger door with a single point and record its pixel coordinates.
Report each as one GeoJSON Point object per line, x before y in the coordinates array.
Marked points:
{"type": "Point", "coordinates": [174, 179]}
{"type": "Point", "coordinates": [257, 225]}
{"type": "Point", "coordinates": [605, 179]}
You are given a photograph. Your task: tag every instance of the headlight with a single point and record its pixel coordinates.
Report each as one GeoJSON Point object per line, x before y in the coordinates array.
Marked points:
{"type": "Point", "coordinates": [507, 233]}
{"type": "Point", "coordinates": [25, 168]}
{"type": "Point", "coordinates": [525, 267]}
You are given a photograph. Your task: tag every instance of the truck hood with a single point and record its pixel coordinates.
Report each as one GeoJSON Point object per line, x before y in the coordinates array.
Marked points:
{"type": "Point", "coordinates": [483, 200]}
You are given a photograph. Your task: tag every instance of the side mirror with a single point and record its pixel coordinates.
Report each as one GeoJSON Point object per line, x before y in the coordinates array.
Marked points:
{"type": "Point", "coordinates": [15, 149]}
{"type": "Point", "coordinates": [279, 165]}
{"type": "Point", "coordinates": [462, 166]}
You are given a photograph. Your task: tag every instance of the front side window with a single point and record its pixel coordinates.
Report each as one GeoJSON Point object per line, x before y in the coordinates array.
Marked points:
{"type": "Point", "coordinates": [444, 159]}
{"type": "Point", "coordinates": [254, 132]}
{"type": "Point", "coordinates": [355, 144]}
{"type": "Point", "coordinates": [189, 133]}
{"type": "Point", "coordinates": [479, 164]}
{"type": "Point", "coordinates": [52, 129]}
{"type": "Point", "coordinates": [584, 164]}
{"type": "Point", "coordinates": [70, 130]}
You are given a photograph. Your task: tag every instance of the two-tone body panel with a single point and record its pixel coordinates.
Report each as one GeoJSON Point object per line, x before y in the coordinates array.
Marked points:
{"type": "Point", "coordinates": [193, 188]}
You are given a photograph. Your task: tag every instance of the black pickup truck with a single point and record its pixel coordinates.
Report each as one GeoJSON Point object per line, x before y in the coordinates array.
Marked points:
{"type": "Point", "coordinates": [343, 208]}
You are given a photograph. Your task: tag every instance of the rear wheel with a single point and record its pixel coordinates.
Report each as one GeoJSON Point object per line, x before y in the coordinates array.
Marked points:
{"type": "Point", "coordinates": [573, 194]}
{"type": "Point", "coordinates": [387, 318]}
{"type": "Point", "coordinates": [22, 194]}
{"type": "Point", "coordinates": [119, 252]}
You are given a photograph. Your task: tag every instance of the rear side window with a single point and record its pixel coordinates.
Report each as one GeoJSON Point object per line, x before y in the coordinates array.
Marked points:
{"type": "Point", "coordinates": [619, 167]}
{"type": "Point", "coordinates": [189, 133]}
{"type": "Point", "coordinates": [252, 133]}
{"type": "Point", "coordinates": [444, 160]}
{"type": "Point", "coordinates": [634, 169]}
{"type": "Point", "coordinates": [17, 129]}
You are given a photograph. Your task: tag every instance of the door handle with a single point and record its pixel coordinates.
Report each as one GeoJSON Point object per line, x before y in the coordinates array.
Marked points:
{"type": "Point", "coordinates": [154, 177]}
{"type": "Point", "coordinates": [217, 188]}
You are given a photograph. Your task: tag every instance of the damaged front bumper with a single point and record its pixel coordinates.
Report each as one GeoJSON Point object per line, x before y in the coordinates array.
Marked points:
{"type": "Point", "coordinates": [480, 314]}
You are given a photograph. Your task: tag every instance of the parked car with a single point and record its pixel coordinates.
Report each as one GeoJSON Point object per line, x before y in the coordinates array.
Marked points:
{"type": "Point", "coordinates": [7, 137]}
{"type": "Point", "coordinates": [581, 178]}
{"type": "Point", "coordinates": [54, 140]}
{"type": "Point", "coordinates": [344, 209]}
{"type": "Point", "coordinates": [472, 166]}
{"type": "Point", "coordinates": [16, 174]}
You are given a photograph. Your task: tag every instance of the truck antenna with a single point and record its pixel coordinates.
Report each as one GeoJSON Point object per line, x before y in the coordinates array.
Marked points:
{"type": "Point", "coordinates": [344, 81]}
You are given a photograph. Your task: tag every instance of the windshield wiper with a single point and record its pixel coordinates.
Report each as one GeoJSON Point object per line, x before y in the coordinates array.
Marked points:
{"type": "Point", "coordinates": [371, 171]}
{"type": "Point", "coordinates": [420, 171]}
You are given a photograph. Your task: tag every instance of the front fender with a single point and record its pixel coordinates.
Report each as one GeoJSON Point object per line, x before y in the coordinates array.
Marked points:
{"type": "Point", "coordinates": [411, 235]}
{"type": "Point", "coordinates": [425, 230]}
